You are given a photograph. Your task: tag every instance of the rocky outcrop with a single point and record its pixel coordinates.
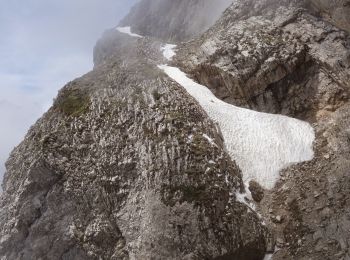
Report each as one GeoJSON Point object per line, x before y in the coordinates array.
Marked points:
{"type": "Point", "coordinates": [280, 57]}
{"type": "Point", "coordinates": [312, 199]}
{"type": "Point", "coordinates": [275, 58]}
{"type": "Point", "coordinates": [334, 11]}
{"type": "Point", "coordinates": [120, 168]}
{"type": "Point", "coordinates": [174, 20]}
{"type": "Point", "coordinates": [127, 165]}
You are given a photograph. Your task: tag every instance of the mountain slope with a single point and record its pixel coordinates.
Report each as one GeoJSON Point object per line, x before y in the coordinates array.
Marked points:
{"type": "Point", "coordinates": [174, 20]}
{"type": "Point", "coordinates": [137, 160]}
{"type": "Point", "coordinates": [121, 167]}
{"type": "Point", "coordinates": [335, 11]}
{"type": "Point", "coordinates": [285, 61]}
{"type": "Point", "coordinates": [281, 57]}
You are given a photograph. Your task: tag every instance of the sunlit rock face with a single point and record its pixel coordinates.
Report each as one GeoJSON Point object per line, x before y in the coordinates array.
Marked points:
{"type": "Point", "coordinates": [174, 20]}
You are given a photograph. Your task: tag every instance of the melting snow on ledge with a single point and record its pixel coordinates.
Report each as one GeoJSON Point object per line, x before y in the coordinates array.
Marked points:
{"type": "Point", "coordinates": [127, 30]}
{"type": "Point", "coordinates": [168, 51]}
{"type": "Point", "coordinates": [261, 144]}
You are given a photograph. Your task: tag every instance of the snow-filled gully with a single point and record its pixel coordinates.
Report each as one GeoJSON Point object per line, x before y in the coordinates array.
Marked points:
{"type": "Point", "coordinates": [127, 30]}
{"type": "Point", "coordinates": [261, 144]}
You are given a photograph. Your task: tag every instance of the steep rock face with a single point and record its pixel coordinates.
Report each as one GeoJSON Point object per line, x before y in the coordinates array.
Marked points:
{"type": "Point", "coordinates": [278, 59]}
{"type": "Point", "coordinates": [174, 20]}
{"type": "Point", "coordinates": [283, 57]}
{"type": "Point", "coordinates": [126, 165]}
{"type": "Point", "coordinates": [335, 11]}
{"type": "Point", "coordinates": [120, 168]}
{"type": "Point", "coordinates": [312, 200]}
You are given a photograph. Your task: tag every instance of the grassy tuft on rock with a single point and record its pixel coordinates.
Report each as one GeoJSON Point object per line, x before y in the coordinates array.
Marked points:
{"type": "Point", "coordinates": [74, 102]}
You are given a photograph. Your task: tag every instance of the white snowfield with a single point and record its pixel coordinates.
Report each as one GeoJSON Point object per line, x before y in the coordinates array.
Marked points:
{"type": "Point", "coordinates": [168, 51]}
{"type": "Point", "coordinates": [127, 30]}
{"type": "Point", "coordinates": [261, 144]}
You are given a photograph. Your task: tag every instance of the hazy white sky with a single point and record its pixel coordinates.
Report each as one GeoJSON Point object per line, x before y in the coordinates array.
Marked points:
{"type": "Point", "coordinates": [43, 45]}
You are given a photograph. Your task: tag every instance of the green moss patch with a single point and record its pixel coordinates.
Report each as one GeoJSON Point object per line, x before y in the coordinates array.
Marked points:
{"type": "Point", "coordinates": [74, 102]}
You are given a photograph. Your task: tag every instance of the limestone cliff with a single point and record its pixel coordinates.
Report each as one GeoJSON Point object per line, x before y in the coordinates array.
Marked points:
{"type": "Point", "coordinates": [128, 164]}
{"type": "Point", "coordinates": [121, 168]}
{"type": "Point", "coordinates": [285, 57]}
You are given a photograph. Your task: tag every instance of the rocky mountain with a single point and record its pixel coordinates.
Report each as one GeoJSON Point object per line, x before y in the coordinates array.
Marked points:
{"type": "Point", "coordinates": [283, 57]}
{"type": "Point", "coordinates": [247, 156]}
{"type": "Point", "coordinates": [175, 20]}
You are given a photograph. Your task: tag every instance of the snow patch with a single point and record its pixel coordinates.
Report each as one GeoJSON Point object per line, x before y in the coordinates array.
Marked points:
{"type": "Point", "coordinates": [245, 53]}
{"type": "Point", "coordinates": [247, 199]}
{"type": "Point", "coordinates": [190, 138]}
{"type": "Point", "coordinates": [268, 257]}
{"type": "Point", "coordinates": [209, 47]}
{"type": "Point", "coordinates": [127, 30]}
{"type": "Point", "coordinates": [241, 197]}
{"type": "Point", "coordinates": [210, 140]}
{"type": "Point", "coordinates": [168, 51]}
{"type": "Point", "coordinates": [262, 144]}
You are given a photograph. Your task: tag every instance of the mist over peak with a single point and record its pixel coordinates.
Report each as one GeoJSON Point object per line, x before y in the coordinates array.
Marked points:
{"type": "Point", "coordinates": [174, 19]}
{"type": "Point", "coordinates": [47, 44]}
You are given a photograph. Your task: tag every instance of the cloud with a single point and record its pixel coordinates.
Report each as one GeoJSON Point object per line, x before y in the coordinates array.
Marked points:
{"type": "Point", "coordinates": [45, 43]}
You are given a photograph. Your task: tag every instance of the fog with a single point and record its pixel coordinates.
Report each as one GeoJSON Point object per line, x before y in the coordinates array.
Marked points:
{"type": "Point", "coordinates": [44, 44]}
{"type": "Point", "coordinates": [177, 20]}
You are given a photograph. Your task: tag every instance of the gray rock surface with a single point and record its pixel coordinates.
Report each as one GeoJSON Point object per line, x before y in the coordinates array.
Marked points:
{"type": "Point", "coordinates": [174, 20]}
{"type": "Point", "coordinates": [273, 57]}
{"type": "Point", "coordinates": [334, 11]}
{"type": "Point", "coordinates": [283, 57]}
{"type": "Point", "coordinates": [119, 168]}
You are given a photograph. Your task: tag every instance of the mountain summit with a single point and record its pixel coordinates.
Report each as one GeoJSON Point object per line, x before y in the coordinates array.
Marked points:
{"type": "Point", "coordinates": [206, 130]}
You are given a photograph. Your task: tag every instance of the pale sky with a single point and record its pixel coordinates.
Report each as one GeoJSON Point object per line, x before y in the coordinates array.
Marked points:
{"type": "Point", "coordinates": [43, 45]}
